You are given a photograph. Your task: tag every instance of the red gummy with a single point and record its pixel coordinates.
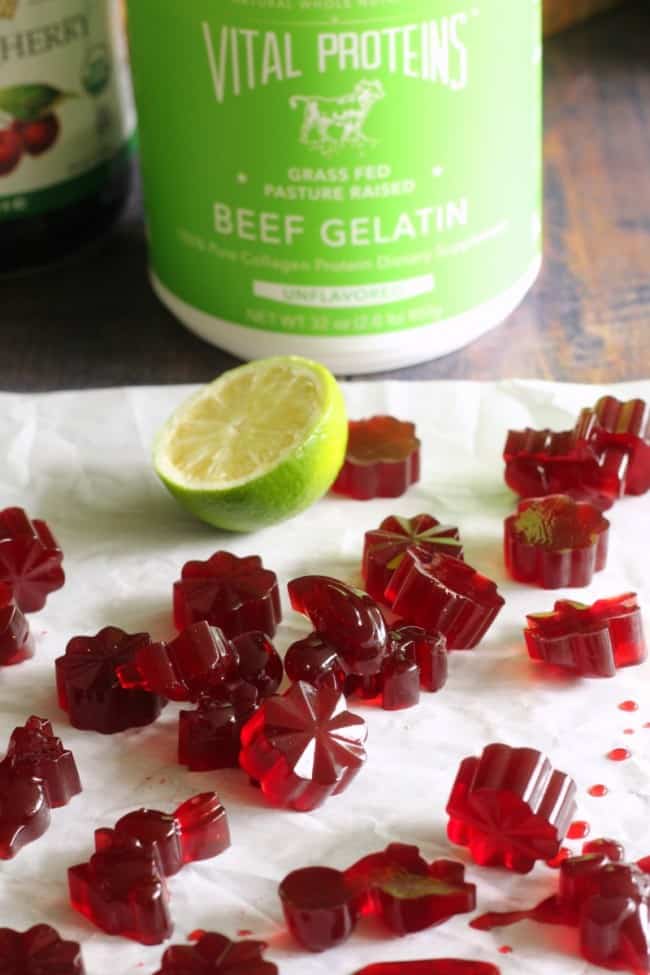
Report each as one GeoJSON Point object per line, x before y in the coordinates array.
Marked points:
{"type": "Point", "coordinates": [429, 650]}
{"type": "Point", "coordinates": [346, 618]}
{"type": "Point", "coordinates": [198, 830]}
{"type": "Point", "coordinates": [614, 427]}
{"type": "Point", "coordinates": [430, 966]}
{"type": "Point", "coordinates": [443, 595]}
{"type": "Point", "coordinates": [593, 641]}
{"type": "Point", "coordinates": [39, 951]}
{"type": "Point", "coordinates": [510, 808]}
{"type": "Point", "coordinates": [36, 775]}
{"type": "Point", "coordinates": [382, 459]}
{"type": "Point", "coordinates": [88, 685]}
{"type": "Point", "coordinates": [237, 595]}
{"type": "Point", "coordinates": [30, 559]}
{"type": "Point", "coordinates": [122, 889]}
{"type": "Point", "coordinates": [543, 462]}
{"type": "Point", "coordinates": [407, 894]}
{"type": "Point", "coordinates": [257, 662]}
{"type": "Point", "coordinates": [320, 907]}
{"type": "Point", "coordinates": [316, 662]}
{"type": "Point", "coordinates": [385, 548]}
{"type": "Point", "coordinates": [210, 736]}
{"type": "Point", "coordinates": [555, 542]}
{"type": "Point", "coordinates": [303, 746]}
{"type": "Point", "coordinates": [16, 641]}
{"type": "Point", "coordinates": [214, 954]}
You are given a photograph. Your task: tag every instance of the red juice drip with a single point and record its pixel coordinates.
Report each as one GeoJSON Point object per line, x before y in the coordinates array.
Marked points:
{"type": "Point", "coordinates": [598, 791]}
{"type": "Point", "coordinates": [505, 950]}
{"type": "Point", "coordinates": [196, 935]}
{"type": "Point", "coordinates": [619, 754]}
{"type": "Point", "coordinates": [496, 919]}
{"type": "Point", "coordinates": [629, 731]}
{"type": "Point", "coordinates": [628, 706]}
{"type": "Point", "coordinates": [578, 830]}
{"type": "Point", "coordinates": [244, 933]}
{"type": "Point", "coordinates": [647, 724]}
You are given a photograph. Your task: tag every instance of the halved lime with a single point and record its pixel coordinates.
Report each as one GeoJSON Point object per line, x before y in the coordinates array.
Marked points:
{"type": "Point", "coordinates": [256, 446]}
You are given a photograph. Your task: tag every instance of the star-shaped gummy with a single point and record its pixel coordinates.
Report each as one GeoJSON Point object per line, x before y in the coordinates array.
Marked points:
{"type": "Point", "coordinates": [593, 641]}
{"type": "Point", "coordinates": [237, 595]}
{"type": "Point", "coordinates": [16, 641]}
{"type": "Point", "coordinates": [214, 954]}
{"type": "Point", "coordinates": [555, 541]}
{"type": "Point", "coordinates": [613, 428]}
{"type": "Point", "coordinates": [303, 746]}
{"type": "Point", "coordinates": [510, 808]}
{"type": "Point", "coordinates": [38, 951]}
{"type": "Point", "coordinates": [382, 459]}
{"type": "Point", "coordinates": [88, 685]}
{"type": "Point", "coordinates": [30, 559]}
{"type": "Point", "coordinates": [385, 547]}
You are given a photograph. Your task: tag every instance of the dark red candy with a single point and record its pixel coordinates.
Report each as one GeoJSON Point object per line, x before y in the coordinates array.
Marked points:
{"type": "Point", "coordinates": [198, 658]}
{"type": "Point", "coordinates": [555, 541]}
{"type": "Point", "coordinates": [88, 685]}
{"type": "Point", "coordinates": [431, 966]}
{"type": "Point", "coordinates": [319, 906]}
{"type": "Point", "coordinates": [316, 662]}
{"type": "Point", "coordinates": [237, 595]}
{"type": "Point", "coordinates": [24, 810]}
{"type": "Point", "coordinates": [209, 736]}
{"type": "Point", "coordinates": [429, 651]}
{"type": "Point", "coordinates": [34, 751]}
{"type": "Point", "coordinates": [615, 921]}
{"type": "Point", "coordinates": [303, 746]}
{"type": "Point", "coordinates": [400, 678]}
{"type": "Point", "coordinates": [382, 459]}
{"type": "Point", "coordinates": [198, 830]}
{"type": "Point", "coordinates": [444, 596]}
{"type": "Point", "coordinates": [510, 808]}
{"type": "Point", "coordinates": [385, 548]}
{"type": "Point", "coordinates": [30, 559]}
{"type": "Point", "coordinates": [258, 662]}
{"type": "Point", "coordinates": [122, 889]}
{"type": "Point", "coordinates": [407, 894]}
{"type": "Point", "coordinates": [39, 951]}
{"type": "Point", "coordinates": [593, 641]}
{"type": "Point", "coordinates": [16, 641]}
{"type": "Point", "coordinates": [613, 427]}
{"type": "Point", "coordinates": [214, 954]}
{"type": "Point", "coordinates": [346, 618]}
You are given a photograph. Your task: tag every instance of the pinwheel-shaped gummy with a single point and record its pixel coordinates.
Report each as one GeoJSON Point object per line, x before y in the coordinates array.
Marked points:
{"type": "Point", "coordinates": [214, 954]}
{"type": "Point", "coordinates": [382, 459]}
{"type": "Point", "coordinates": [38, 951]}
{"type": "Point", "coordinates": [303, 746]}
{"type": "Point", "coordinates": [385, 548]}
{"type": "Point", "coordinates": [444, 596]}
{"type": "Point", "coordinates": [593, 641]}
{"type": "Point", "coordinates": [614, 429]}
{"type": "Point", "coordinates": [122, 889]}
{"type": "Point", "coordinates": [16, 641]}
{"type": "Point", "coordinates": [510, 808]}
{"type": "Point", "coordinates": [89, 688]}
{"type": "Point", "coordinates": [30, 559]}
{"type": "Point", "coordinates": [555, 541]}
{"type": "Point", "coordinates": [237, 595]}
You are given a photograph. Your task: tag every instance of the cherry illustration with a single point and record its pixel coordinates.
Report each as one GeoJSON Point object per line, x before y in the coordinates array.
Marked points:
{"type": "Point", "coordinates": [40, 134]}
{"type": "Point", "coordinates": [11, 150]}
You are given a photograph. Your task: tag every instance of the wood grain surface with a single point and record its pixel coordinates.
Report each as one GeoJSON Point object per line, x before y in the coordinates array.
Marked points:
{"type": "Point", "coordinates": [94, 321]}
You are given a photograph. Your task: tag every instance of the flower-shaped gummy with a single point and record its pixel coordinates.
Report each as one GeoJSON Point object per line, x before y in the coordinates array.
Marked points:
{"type": "Point", "coordinates": [510, 807]}
{"type": "Point", "coordinates": [385, 547]}
{"type": "Point", "coordinates": [30, 559]}
{"type": "Point", "coordinates": [593, 641]}
{"type": "Point", "coordinates": [382, 459]}
{"type": "Point", "coordinates": [16, 641]}
{"type": "Point", "coordinates": [555, 541]}
{"type": "Point", "coordinates": [613, 428]}
{"type": "Point", "coordinates": [237, 595]}
{"type": "Point", "coordinates": [214, 954]}
{"type": "Point", "coordinates": [303, 746]}
{"type": "Point", "coordinates": [444, 596]}
{"type": "Point", "coordinates": [38, 951]}
{"type": "Point", "coordinates": [89, 688]}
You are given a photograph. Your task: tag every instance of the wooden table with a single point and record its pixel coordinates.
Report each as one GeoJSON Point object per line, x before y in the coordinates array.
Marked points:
{"type": "Point", "coordinates": [94, 321]}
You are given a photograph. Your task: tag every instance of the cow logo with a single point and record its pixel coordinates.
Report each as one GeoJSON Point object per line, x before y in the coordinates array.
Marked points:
{"type": "Point", "coordinates": [332, 124]}
{"type": "Point", "coordinates": [8, 9]}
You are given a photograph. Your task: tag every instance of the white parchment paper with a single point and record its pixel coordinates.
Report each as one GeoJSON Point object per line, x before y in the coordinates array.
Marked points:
{"type": "Point", "coordinates": [81, 460]}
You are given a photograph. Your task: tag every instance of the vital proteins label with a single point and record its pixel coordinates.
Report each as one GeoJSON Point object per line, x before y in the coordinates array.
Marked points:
{"type": "Point", "coordinates": [66, 112]}
{"type": "Point", "coordinates": [332, 167]}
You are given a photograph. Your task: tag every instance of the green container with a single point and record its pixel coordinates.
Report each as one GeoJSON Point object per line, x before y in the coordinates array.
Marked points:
{"type": "Point", "coordinates": [354, 180]}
